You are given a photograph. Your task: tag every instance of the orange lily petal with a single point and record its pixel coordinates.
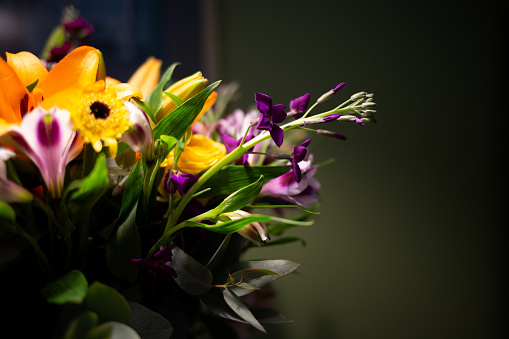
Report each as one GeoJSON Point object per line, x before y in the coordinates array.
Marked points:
{"type": "Point", "coordinates": [13, 95]}
{"type": "Point", "coordinates": [111, 81]}
{"type": "Point", "coordinates": [27, 66]}
{"type": "Point", "coordinates": [65, 99]}
{"type": "Point", "coordinates": [124, 91]}
{"type": "Point", "coordinates": [208, 103]}
{"type": "Point", "coordinates": [77, 68]}
{"type": "Point", "coordinates": [147, 75]}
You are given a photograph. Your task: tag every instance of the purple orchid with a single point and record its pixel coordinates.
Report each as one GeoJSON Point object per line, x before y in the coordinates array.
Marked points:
{"type": "Point", "coordinates": [159, 263]}
{"type": "Point", "coordinates": [299, 105]}
{"type": "Point", "coordinates": [299, 153]}
{"type": "Point", "coordinates": [175, 180]}
{"type": "Point", "coordinates": [139, 136]}
{"type": "Point", "coordinates": [48, 139]}
{"type": "Point", "coordinates": [231, 144]}
{"type": "Point", "coordinates": [270, 116]}
{"type": "Point", "coordinates": [10, 191]}
{"type": "Point", "coordinates": [285, 187]}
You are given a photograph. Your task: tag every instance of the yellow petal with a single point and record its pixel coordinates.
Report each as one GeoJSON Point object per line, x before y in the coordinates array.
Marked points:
{"type": "Point", "coordinates": [5, 126]}
{"type": "Point", "coordinates": [65, 99]}
{"type": "Point", "coordinates": [27, 66]}
{"type": "Point", "coordinates": [111, 81]}
{"type": "Point", "coordinates": [97, 145]}
{"type": "Point", "coordinates": [77, 68]}
{"type": "Point", "coordinates": [147, 75]}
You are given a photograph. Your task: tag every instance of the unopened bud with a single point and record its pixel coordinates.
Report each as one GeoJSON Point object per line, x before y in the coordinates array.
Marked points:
{"type": "Point", "coordinates": [161, 149]}
{"type": "Point", "coordinates": [330, 134]}
{"type": "Point", "coordinates": [255, 231]}
{"type": "Point", "coordinates": [254, 122]}
{"type": "Point", "coordinates": [330, 93]}
{"type": "Point", "coordinates": [357, 96]}
{"type": "Point", "coordinates": [368, 104]}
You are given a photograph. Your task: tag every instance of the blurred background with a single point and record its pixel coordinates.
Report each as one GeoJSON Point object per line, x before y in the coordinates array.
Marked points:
{"type": "Point", "coordinates": [409, 242]}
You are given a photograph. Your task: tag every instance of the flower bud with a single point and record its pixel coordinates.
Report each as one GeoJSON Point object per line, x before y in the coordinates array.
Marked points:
{"type": "Point", "coordinates": [330, 93]}
{"type": "Point", "coordinates": [184, 89]}
{"type": "Point", "coordinates": [255, 231]}
{"type": "Point", "coordinates": [161, 149]}
{"type": "Point", "coordinates": [357, 96]}
{"type": "Point", "coordinates": [330, 134]}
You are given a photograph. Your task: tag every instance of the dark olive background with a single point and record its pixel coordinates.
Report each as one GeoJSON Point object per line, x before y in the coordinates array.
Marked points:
{"type": "Point", "coordinates": [409, 241]}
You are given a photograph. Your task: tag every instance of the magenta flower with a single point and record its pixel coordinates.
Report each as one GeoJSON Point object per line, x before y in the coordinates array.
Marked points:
{"type": "Point", "coordinates": [48, 139]}
{"type": "Point", "coordinates": [299, 105]}
{"type": "Point", "coordinates": [176, 180]}
{"type": "Point", "coordinates": [285, 187]}
{"type": "Point", "coordinates": [10, 191]}
{"type": "Point", "coordinates": [139, 136]}
{"type": "Point", "coordinates": [299, 153]}
{"type": "Point", "coordinates": [270, 116]}
{"type": "Point", "coordinates": [231, 144]}
{"type": "Point", "coordinates": [159, 264]}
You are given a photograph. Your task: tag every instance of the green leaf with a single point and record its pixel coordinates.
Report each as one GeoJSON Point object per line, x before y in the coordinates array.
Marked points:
{"type": "Point", "coordinates": [171, 142]}
{"type": "Point", "coordinates": [238, 306]}
{"type": "Point", "coordinates": [250, 274]}
{"type": "Point", "coordinates": [240, 198]}
{"type": "Point", "coordinates": [124, 245]}
{"type": "Point", "coordinates": [231, 178]}
{"type": "Point", "coordinates": [178, 122]}
{"type": "Point", "coordinates": [145, 107]}
{"type": "Point", "coordinates": [174, 98]}
{"type": "Point", "coordinates": [281, 267]}
{"type": "Point", "coordinates": [132, 191]}
{"type": "Point", "coordinates": [70, 288]}
{"type": "Point", "coordinates": [155, 98]}
{"type": "Point", "coordinates": [149, 324]}
{"type": "Point", "coordinates": [112, 330]}
{"type": "Point", "coordinates": [6, 213]}
{"type": "Point", "coordinates": [235, 225]}
{"type": "Point", "coordinates": [31, 86]}
{"type": "Point", "coordinates": [81, 195]}
{"type": "Point", "coordinates": [81, 325]}
{"type": "Point", "coordinates": [107, 303]}
{"type": "Point", "coordinates": [192, 277]}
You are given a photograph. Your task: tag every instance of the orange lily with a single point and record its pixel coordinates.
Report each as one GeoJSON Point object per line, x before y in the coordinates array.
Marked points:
{"type": "Point", "coordinates": [146, 76]}
{"type": "Point", "coordinates": [78, 69]}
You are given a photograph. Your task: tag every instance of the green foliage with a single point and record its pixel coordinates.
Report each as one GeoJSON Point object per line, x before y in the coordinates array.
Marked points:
{"type": "Point", "coordinates": [192, 277]}
{"type": "Point", "coordinates": [174, 98]}
{"type": "Point", "coordinates": [155, 98]}
{"type": "Point", "coordinates": [238, 306]}
{"type": "Point", "coordinates": [231, 178]}
{"type": "Point", "coordinates": [70, 288]}
{"type": "Point", "coordinates": [81, 325]}
{"type": "Point", "coordinates": [149, 324]}
{"type": "Point", "coordinates": [239, 198]}
{"type": "Point", "coordinates": [6, 214]}
{"type": "Point", "coordinates": [81, 195]}
{"type": "Point", "coordinates": [107, 303]}
{"type": "Point", "coordinates": [179, 121]}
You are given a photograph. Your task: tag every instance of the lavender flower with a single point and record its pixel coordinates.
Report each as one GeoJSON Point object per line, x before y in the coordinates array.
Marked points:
{"type": "Point", "coordinates": [176, 180]}
{"type": "Point", "coordinates": [159, 263]}
{"type": "Point", "coordinates": [270, 116]}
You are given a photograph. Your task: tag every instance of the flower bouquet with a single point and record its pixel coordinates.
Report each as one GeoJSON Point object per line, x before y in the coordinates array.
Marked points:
{"type": "Point", "coordinates": [125, 207]}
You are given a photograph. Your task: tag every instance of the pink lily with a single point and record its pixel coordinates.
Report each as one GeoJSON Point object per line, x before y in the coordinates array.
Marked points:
{"type": "Point", "coordinates": [48, 139]}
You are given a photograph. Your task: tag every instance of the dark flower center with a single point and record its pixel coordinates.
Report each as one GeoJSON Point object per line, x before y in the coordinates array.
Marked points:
{"type": "Point", "coordinates": [100, 110]}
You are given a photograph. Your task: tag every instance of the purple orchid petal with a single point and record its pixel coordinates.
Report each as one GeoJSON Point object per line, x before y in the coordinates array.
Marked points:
{"type": "Point", "coordinates": [297, 174]}
{"type": "Point", "coordinates": [278, 113]}
{"type": "Point", "coordinates": [263, 102]}
{"type": "Point", "coordinates": [264, 123]}
{"type": "Point", "coordinates": [306, 143]}
{"type": "Point", "coordinates": [183, 181]}
{"type": "Point", "coordinates": [277, 135]}
{"type": "Point", "coordinates": [229, 143]}
{"type": "Point", "coordinates": [300, 104]}
{"type": "Point", "coordinates": [299, 153]}
{"type": "Point", "coordinates": [48, 139]}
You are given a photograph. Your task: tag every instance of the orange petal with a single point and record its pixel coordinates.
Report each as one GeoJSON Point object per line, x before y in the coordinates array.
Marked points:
{"type": "Point", "coordinates": [65, 99]}
{"type": "Point", "coordinates": [124, 91]}
{"type": "Point", "coordinates": [27, 66]}
{"type": "Point", "coordinates": [111, 81]}
{"type": "Point", "coordinates": [77, 68]}
{"type": "Point", "coordinates": [208, 103]}
{"type": "Point", "coordinates": [147, 75]}
{"type": "Point", "coordinates": [12, 92]}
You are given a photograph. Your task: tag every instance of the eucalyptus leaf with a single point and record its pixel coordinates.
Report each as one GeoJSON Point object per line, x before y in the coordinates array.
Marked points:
{"type": "Point", "coordinates": [192, 277]}
{"type": "Point", "coordinates": [69, 288]}
{"type": "Point", "coordinates": [249, 274]}
{"type": "Point", "coordinates": [155, 99]}
{"type": "Point", "coordinates": [108, 303]}
{"type": "Point", "coordinates": [281, 267]}
{"type": "Point", "coordinates": [238, 306]}
{"type": "Point", "coordinates": [112, 330]}
{"type": "Point", "coordinates": [231, 178]}
{"type": "Point", "coordinates": [178, 122]}
{"type": "Point", "coordinates": [149, 324]}
{"type": "Point", "coordinates": [81, 325]}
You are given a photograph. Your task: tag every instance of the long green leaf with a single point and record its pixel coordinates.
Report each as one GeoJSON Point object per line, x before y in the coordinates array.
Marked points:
{"type": "Point", "coordinates": [231, 178]}
{"type": "Point", "coordinates": [155, 98]}
{"type": "Point", "coordinates": [178, 122]}
{"type": "Point", "coordinates": [240, 198]}
{"type": "Point", "coordinates": [238, 306]}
